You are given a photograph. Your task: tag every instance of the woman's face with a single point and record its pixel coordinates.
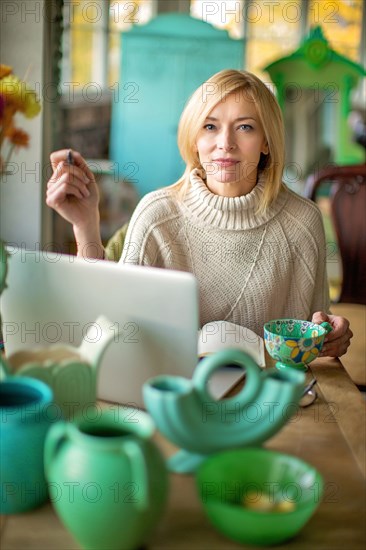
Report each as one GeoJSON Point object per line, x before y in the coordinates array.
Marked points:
{"type": "Point", "coordinates": [230, 144]}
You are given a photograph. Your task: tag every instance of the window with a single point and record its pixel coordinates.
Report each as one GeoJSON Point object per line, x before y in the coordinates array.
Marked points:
{"type": "Point", "coordinates": [270, 28]}
{"type": "Point", "coordinates": [122, 15]}
{"type": "Point", "coordinates": [223, 15]}
{"type": "Point", "coordinates": [91, 43]}
{"type": "Point", "coordinates": [273, 28]}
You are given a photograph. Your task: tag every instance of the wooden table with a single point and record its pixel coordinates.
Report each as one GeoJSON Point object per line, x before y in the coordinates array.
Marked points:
{"type": "Point", "coordinates": [330, 434]}
{"type": "Point", "coordinates": [355, 359]}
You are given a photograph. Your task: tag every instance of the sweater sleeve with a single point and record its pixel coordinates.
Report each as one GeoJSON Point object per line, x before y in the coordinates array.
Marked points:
{"type": "Point", "coordinates": [144, 242]}
{"type": "Point", "coordinates": [137, 247]}
{"type": "Point", "coordinates": [114, 246]}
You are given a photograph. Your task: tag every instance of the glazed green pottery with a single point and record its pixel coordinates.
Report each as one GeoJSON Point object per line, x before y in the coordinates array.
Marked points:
{"type": "Point", "coordinates": [294, 343]}
{"type": "Point", "coordinates": [186, 413]}
{"type": "Point", "coordinates": [26, 410]}
{"type": "Point", "coordinates": [107, 479]}
{"type": "Point", "coordinates": [232, 483]}
{"type": "Point", "coordinates": [72, 373]}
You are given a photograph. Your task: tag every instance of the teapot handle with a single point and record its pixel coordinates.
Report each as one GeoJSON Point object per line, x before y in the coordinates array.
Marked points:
{"type": "Point", "coordinates": [57, 434]}
{"type": "Point", "coordinates": [134, 451]}
{"type": "Point", "coordinates": [211, 363]}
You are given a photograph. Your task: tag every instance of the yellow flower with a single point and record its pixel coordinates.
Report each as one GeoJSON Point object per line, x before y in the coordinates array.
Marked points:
{"type": "Point", "coordinates": [19, 96]}
{"type": "Point", "coordinates": [15, 96]}
{"type": "Point", "coordinates": [11, 90]}
{"type": "Point", "coordinates": [32, 105]}
{"type": "Point", "coordinates": [5, 70]}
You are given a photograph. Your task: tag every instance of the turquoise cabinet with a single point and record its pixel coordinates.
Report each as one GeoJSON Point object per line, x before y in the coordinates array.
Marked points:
{"type": "Point", "coordinates": [162, 63]}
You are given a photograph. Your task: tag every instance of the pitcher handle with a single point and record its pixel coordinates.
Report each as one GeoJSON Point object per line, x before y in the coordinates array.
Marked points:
{"type": "Point", "coordinates": [57, 434]}
{"type": "Point", "coordinates": [211, 363]}
{"type": "Point", "coordinates": [134, 451]}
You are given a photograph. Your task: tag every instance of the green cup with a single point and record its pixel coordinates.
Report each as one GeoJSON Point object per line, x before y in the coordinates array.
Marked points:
{"type": "Point", "coordinates": [294, 343]}
{"type": "Point", "coordinates": [107, 479]}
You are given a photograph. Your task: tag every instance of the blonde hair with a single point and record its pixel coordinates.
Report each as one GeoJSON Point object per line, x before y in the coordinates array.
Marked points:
{"type": "Point", "coordinates": [206, 97]}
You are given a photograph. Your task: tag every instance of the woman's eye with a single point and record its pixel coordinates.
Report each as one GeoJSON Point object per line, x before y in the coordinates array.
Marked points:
{"type": "Point", "coordinates": [209, 127]}
{"type": "Point", "coordinates": [246, 127]}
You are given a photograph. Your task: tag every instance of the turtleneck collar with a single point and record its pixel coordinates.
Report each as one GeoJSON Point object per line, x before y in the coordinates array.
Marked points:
{"type": "Point", "coordinates": [235, 213]}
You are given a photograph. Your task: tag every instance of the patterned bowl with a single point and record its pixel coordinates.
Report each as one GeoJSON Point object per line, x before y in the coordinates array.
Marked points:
{"type": "Point", "coordinates": [294, 343]}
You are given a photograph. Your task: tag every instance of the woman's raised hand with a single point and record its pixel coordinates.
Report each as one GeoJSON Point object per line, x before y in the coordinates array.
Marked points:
{"type": "Point", "coordinates": [72, 190]}
{"type": "Point", "coordinates": [73, 193]}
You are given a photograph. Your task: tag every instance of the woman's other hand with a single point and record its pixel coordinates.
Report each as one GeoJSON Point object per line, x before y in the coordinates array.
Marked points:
{"type": "Point", "coordinates": [337, 341]}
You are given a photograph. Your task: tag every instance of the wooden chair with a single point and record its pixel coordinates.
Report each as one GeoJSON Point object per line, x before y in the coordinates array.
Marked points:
{"type": "Point", "coordinates": [348, 212]}
{"type": "Point", "coordinates": [348, 201]}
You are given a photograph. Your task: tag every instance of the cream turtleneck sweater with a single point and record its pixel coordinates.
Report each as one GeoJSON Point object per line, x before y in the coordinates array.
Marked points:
{"type": "Point", "coordinates": [250, 268]}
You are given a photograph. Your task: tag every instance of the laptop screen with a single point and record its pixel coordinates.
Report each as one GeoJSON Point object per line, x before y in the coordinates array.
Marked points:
{"type": "Point", "coordinates": [55, 300]}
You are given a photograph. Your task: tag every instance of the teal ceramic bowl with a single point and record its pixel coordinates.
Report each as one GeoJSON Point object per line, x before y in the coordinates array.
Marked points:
{"type": "Point", "coordinates": [232, 486]}
{"type": "Point", "coordinates": [294, 343]}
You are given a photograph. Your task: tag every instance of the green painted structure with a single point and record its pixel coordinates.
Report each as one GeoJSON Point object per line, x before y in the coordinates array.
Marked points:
{"type": "Point", "coordinates": [315, 66]}
{"type": "Point", "coordinates": [162, 63]}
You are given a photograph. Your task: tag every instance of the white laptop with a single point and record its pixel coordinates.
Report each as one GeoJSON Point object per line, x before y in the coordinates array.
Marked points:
{"type": "Point", "coordinates": [53, 299]}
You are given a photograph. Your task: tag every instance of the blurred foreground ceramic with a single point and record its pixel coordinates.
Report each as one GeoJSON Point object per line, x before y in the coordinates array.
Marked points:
{"type": "Point", "coordinates": [71, 372]}
{"type": "Point", "coordinates": [186, 413]}
{"type": "Point", "coordinates": [116, 474]}
{"type": "Point", "coordinates": [234, 485]}
{"type": "Point", "coordinates": [26, 415]}
{"type": "Point", "coordinates": [294, 343]}
{"type": "Point", "coordinates": [3, 265]}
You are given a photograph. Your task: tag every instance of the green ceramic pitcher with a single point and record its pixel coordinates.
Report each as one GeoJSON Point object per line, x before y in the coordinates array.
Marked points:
{"type": "Point", "coordinates": [107, 479]}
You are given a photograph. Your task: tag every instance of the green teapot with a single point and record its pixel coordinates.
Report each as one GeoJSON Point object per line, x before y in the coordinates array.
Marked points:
{"type": "Point", "coordinates": [71, 372]}
{"type": "Point", "coordinates": [186, 413]}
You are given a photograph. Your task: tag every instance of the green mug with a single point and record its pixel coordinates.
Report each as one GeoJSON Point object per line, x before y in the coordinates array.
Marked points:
{"type": "Point", "coordinates": [107, 479]}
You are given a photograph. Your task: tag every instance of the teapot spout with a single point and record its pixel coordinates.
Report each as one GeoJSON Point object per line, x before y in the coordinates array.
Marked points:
{"type": "Point", "coordinates": [96, 341]}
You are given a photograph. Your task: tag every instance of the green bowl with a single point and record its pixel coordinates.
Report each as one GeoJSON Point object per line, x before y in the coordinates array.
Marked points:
{"type": "Point", "coordinates": [225, 479]}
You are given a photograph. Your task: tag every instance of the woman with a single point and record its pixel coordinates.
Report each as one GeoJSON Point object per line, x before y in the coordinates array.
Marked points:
{"type": "Point", "coordinates": [256, 248]}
